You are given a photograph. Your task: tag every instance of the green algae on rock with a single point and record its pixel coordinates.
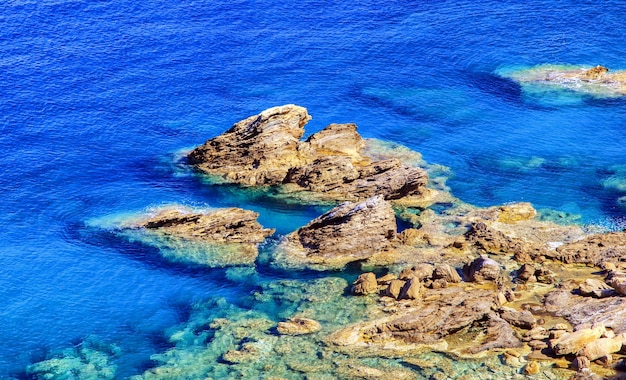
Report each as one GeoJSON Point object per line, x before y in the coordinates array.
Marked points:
{"type": "Point", "coordinates": [216, 238]}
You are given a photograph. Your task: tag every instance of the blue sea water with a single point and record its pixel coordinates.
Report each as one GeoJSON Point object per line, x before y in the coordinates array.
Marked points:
{"type": "Point", "coordinates": [98, 98]}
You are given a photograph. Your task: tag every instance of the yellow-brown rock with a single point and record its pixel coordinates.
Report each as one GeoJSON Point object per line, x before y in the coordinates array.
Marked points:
{"type": "Point", "coordinates": [394, 288]}
{"type": "Point", "coordinates": [265, 150]}
{"type": "Point", "coordinates": [573, 342]}
{"type": "Point", "coordinates": [365, 284]}
{"type": "Point", "coordinates": [412, 290]}
{"type": "Point", "coordinates": [349, 232]}
{"type": "Point", "coordinates": [516, 212]}
{"type": "Point", "coordinates": [532, 368]}
{"type": "Point", "coordinates": [602, 347]}
{"type": "Point", "coordinates": [298, 326]}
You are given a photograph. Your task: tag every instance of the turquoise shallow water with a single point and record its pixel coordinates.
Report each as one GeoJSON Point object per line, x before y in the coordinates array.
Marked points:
{"type": "Point", "coordinates": [97, 99]}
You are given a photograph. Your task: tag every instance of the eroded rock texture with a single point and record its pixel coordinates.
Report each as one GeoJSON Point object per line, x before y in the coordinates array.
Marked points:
{"type": "Point", "coordinates": [265, 149]}
{"type": "Point", "coordinates": [214, 237]}
{"type": "Point", "coordinates": [349, 232]}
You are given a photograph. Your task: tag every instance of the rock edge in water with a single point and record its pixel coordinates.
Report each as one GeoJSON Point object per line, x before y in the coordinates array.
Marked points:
{"type": "Point", "coordinates": [597, 81]}
{"type": "Point", "coordinates": [219, 237]}
{"type": "Point", "coordinates": [331, 165]}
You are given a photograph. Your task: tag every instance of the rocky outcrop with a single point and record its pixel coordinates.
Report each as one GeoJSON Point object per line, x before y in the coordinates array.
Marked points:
{"type": "Point", "coordinates": [597, 81]}
{"type": "Point", "coordinates": [584, 311]}
{"type": "Point", "coordinates": [258, 150]}
{"type": "Point", "coordinates": [595, 249]}
{"type": "Point", "coordinates": [487, 239]}
{"type": "Point", "coordinates": [221, 237]}
{"type": "Point", "coordinates": [265, 150]}
{"type": "Point", "coordinates": [347, 233]}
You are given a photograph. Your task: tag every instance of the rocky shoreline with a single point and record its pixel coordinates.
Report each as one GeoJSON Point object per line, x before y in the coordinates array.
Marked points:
{"type": "Point", "coordinates": [539, 297]}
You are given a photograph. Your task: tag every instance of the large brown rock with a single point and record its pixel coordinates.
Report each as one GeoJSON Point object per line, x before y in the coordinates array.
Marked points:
{"type": "Point", "coordinates": [258, 150]}
{"type": "Point", "coordinates": [595, 249]}
{"type": "Point", "coordinates": [440, 313]}
{"type": "Point", "coordinates": [522, 319]}
{"type": "Point", "coordinates": [571, 343]}
{"type": "Point", "coordinates": [330, 165]}
{"type": "Point", "coordinates": [602, 347]}
{"type": "Point", "coordinates": [347, 233]}
{"type": "Point", "coordinates": [365, 284]}
{"type": "Point", "coordinates": [484, 269]}
{"type": "Point", "coordinates": [213, 237]}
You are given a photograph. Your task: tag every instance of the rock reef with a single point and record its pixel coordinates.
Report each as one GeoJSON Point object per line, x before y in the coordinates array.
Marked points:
{"type": "Point", "coordinates": [331, 165]}
{"type": "Point", "coordinates": [596, 81]}
{"type": "Point", "coordinates": [218, 237]}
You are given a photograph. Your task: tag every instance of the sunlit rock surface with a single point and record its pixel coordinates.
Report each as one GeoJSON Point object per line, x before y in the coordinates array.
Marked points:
{"type": "Point", "coordinates": [331, 165]}
{"type": "Point", "coordinates": [218, 237]}
{"type": "Point", "coordinates": [502, 283]}
{"type": "Point", "coordinates": [347, 233]}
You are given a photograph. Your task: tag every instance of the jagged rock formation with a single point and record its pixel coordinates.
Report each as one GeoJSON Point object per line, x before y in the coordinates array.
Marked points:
{"type": "Point", "coordinates": [218, 237]}
{"type": "Point", "coordinates": [347, 233]}
{"type": "Point", "coordinates": [265, 150]}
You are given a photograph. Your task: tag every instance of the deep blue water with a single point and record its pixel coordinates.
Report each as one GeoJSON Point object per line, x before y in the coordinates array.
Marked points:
{"type": "Point", "coordinates": [97, 98]}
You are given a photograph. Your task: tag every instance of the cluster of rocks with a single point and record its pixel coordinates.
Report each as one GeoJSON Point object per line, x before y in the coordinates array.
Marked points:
{"type": "Point", "coordinates": [429, 303]}
{"type": "Point", "coordinates": [437, 307]}
{"type": "Point", "coordinates": [471, 279]}
{"type": "Point", "coordinates": [331, 165]}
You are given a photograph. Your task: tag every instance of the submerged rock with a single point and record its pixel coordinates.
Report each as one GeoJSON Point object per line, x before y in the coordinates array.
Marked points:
{"type": "Point", "coordinates": [331, 165]}
{"type": "Point", "coordinates": [347, 233]}
{"type": "Point", "coordinates": [212, 237]}
{"type": "Point", "coordinates": [438, 314]}
{"type": "Point", "coordinates": [597, 81]}
{"type": "Point", "coordinates": [298, 326]}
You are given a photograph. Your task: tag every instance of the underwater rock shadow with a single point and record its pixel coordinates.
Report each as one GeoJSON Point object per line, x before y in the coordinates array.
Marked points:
{"type": "Point", "coordinates": [145, 254]}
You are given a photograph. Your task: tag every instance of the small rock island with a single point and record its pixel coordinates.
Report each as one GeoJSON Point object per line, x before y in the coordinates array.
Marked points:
{"type": "Point", "coordinates": [595, 81]}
